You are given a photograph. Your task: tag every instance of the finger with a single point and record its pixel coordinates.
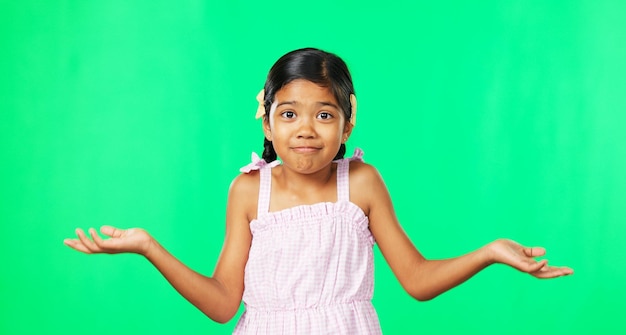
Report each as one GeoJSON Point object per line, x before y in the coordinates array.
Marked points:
{"type": "Point", "coordinates": [111, 231]}
{"type": "Point", "coordinates": [109, 245]}
{"type": "Point", "coordinates": [553, 272]}
{"type": "Point", "coordinates": [534, 251]}
{"type": "Point", "coordinates": [76, 245]}
{"type": "Point", "coordinates": [537, 266]}
{"type": "Point", "coordinates": [97, 240]}
{"type": "Point", "coordinates": [86, 241]}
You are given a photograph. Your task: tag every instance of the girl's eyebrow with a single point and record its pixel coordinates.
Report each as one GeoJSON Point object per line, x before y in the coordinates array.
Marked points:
{"type": "Point", "coordinates": [321, 103]}
{"type": "Point", "coordinates": [286, 103]}
{"type": "Point", "coordinates": [327, 103]}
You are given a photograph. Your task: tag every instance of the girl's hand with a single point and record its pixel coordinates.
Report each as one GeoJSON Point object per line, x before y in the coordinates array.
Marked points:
{"type": "Point", "coordinates": [133, 240]}
{"type": "Point", "coordinates": [522, 258]}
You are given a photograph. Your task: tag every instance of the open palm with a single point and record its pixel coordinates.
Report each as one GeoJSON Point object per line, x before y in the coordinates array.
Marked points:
{"type": "Point", "coordinates": [523, 258]}
{"type": "Point", "coordinates": [133, 240]}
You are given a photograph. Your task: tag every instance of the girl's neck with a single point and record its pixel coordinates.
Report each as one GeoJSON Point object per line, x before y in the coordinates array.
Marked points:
{"type": "Point", "coordinates": [295, 182]}
{"type": "Point", "coordinates": [291, 188]}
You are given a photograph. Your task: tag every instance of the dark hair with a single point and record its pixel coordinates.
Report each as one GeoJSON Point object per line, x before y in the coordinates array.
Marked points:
{"type": "Point", "coordinates": [320, 67]}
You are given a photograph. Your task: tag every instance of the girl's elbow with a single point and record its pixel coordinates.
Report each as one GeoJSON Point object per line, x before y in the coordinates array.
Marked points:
{"type": "Point", "coordinates": [222, 315]}
{"type": "Point", "coordinates": [222, 320]}
{"type": "Point", "coordinates": [422, 297]}
{"type": "Point", "coordinates": [420, 294]}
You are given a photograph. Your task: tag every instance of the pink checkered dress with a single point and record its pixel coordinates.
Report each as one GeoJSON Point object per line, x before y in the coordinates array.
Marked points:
{"type": "Point", "coordinates": [310, 268]}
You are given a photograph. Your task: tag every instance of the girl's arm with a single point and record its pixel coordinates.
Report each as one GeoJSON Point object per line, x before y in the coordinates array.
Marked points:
{"type": "Point", "coordinates": [425, 279]}
{"type": "Point", "coordinates": [218, 296]}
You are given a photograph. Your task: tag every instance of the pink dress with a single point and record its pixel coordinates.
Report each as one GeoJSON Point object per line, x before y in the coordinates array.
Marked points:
{"type": "Point", "coordinates": [310, 268]}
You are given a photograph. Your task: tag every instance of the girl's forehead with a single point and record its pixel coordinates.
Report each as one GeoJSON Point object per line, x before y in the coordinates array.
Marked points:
{"type": "Point", "coordinates": [301, 89]}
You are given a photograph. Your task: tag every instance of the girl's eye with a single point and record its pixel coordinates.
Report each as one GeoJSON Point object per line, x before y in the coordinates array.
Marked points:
{"type": "Point", "coordinates": [288, 114]}
{"type": "Point", "coordinates": [324, 116]}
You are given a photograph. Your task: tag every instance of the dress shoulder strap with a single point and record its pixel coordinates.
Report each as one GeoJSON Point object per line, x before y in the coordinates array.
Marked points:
{"type": "Point", "coordinates": [343, 175]}
{"type": "Point", "coordinates": [265, 171]}
{"type": "Point", "coordinates": [265, 188]}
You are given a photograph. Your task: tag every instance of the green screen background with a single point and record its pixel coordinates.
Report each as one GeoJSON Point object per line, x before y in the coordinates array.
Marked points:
{"type": "Point", "coordinates": [486, 119]}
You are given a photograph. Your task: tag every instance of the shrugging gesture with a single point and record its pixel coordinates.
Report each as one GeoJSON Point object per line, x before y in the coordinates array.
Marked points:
{"type": "Point", "coordinates": [300, 232]}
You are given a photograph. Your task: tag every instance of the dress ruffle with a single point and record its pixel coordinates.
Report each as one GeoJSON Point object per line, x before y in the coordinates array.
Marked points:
{"type": "Point", "coordinates": [310, 214]}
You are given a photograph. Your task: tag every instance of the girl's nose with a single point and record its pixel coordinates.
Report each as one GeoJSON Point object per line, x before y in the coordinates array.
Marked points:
{"type": "Point", "coordinates": [306, 129]}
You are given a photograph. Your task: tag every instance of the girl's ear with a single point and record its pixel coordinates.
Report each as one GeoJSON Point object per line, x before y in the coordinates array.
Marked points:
{"type": "Point", "coordinates": [347, 130]}
{"type": "Point", "coordinates": [266, 129]}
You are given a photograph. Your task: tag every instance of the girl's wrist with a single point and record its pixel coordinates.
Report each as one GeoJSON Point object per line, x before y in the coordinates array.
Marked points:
{"type": "Point", "coordinates": [488, 254]}
{"type": "Point", "coordinates": [148, 246]}
{"type": "Point", "coordinates": [149, 249]}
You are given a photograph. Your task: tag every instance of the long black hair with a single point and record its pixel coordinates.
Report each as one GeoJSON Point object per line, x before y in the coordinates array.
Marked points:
{"type": "Point", "coordinates": [318, 66]}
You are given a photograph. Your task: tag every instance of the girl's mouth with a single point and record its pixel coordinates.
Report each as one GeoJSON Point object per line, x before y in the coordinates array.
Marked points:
{"type": "Point", "coordinates": [305, 149]}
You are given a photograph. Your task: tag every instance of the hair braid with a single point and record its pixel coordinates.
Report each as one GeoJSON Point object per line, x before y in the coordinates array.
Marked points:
{"type": "Point", "coordinates": [269, 155]}
{"type": "Point", "coordinates": [341, 152]}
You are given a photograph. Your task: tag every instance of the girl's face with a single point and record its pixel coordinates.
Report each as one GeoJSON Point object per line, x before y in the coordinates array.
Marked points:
{"type": "Point", "coordinates": [306, 126]}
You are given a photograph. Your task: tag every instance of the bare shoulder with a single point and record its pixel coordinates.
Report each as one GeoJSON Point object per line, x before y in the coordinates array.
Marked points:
{"type": "Point", "coordinates": [245, 182]}
{"type": "Point", "coordinates": [361, 172]}
{"type": "Point", "coordinates": [243, 194]}
{"type": "Point", "coordinates": [366, 185]}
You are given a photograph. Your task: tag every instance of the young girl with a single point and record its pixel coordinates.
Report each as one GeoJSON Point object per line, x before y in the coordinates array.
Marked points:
{"type": "Point", "coordinates": [299, 233]}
